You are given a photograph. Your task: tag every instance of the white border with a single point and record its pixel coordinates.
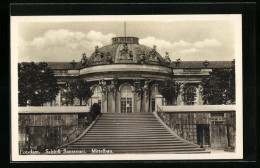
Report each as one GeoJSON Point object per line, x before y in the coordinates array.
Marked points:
{"type": "Point", "coordinates": [15, 20]}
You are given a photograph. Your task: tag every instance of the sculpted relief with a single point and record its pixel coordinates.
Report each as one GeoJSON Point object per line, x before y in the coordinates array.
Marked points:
{"type": "Point", "coordinates": [125, 53]}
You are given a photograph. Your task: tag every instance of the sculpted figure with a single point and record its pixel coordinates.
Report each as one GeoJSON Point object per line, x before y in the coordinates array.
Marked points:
{"type": "Point", "coordinates": [125, 48]}
{"type": "Point", "coordinates": [167, 59]}
{"type": "Point", "coordinates": [98, 55]}
{"type": "Point", "coordinates": [142, 57]}
{"type": "Point", "coordinates": [124, 52]}
{"type": "Point", "coordinates": [84, 60]}
{"type": "Point", "coordinates": [153, 55]}
{"type": "Point", "coordinates": [109, 58]}
{"type": "Point", "coordinates": [130, 55]}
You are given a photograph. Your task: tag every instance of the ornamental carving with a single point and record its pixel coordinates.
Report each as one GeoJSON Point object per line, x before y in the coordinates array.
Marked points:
{"type": "Point", "coordinates": [146, 89]}
{"type": "Point", "coordinates": [104, 87]}
{"type": "Point", "coordinates": [113, 88]}
{"type": "Point", "coordinates": [125, 54]}
{"type": "Point", "coordinates": [138, 88]}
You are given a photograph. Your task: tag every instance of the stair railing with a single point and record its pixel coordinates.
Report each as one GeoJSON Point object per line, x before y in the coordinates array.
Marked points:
{"type": "Point", "coordinates": [81, 135]}
{"type": "Point", "coordinates": [170, 130]}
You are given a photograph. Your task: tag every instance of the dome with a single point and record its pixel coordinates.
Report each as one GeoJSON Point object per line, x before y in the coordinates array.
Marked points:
{"type": "Point", "coordinates": [126, 50]}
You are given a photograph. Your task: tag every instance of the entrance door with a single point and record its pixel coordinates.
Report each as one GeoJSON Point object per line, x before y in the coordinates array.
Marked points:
{"type": "Point", "coordinates": [126, 99]}
{"type": "Point", "coordinates": [203, 136]}
{"type": "Point", "coordinates": [126, 105]}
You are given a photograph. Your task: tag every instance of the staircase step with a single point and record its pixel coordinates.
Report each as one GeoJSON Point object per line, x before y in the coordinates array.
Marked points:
{"type": "Point", "coordinates": [130, 147]}
{"type": "Point", "coordinates": [128, 121]}
{"type": "Point", "coordinates": [126, 150]}
{"type": "Point", "coordinates": [132, 133]}
{"type": "Point", "coordinates": [129, 133]}
{"type": "Point", "coordinates": [128, 130]}
{"type": "Point", "coordinates": [130, 142]}
{"type": "Point", "coordinates": [126, 140]}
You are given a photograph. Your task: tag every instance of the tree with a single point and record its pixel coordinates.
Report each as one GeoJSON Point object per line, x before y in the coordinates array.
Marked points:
{"type": "Point", "coordinates": [77, 89]}
{"type": "Point", "coordinates": [219, 87]}
{"type": "Point", "coordinates": [36, 84]}
{"type": "Point", "coordinates": [169, 90]}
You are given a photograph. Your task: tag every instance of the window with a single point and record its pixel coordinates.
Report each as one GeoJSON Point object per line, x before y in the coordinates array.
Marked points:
{"type": "Point", "coordinates": [99, 103]}
{"type": "Point", "coordinates": [190, 95]}
{"type": "Point", "coordinates": [96, 91]}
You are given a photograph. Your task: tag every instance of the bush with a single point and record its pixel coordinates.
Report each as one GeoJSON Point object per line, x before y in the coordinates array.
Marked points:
{"type": "Point", "coordinates": [95, 110]}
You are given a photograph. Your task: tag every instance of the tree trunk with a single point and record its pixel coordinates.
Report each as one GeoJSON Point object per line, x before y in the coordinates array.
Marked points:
{"type": "Point", "coordinates": [80, 101]}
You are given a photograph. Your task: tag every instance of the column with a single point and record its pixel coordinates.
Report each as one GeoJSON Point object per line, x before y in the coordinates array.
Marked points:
{"type": "Point", "coordinates": [137, 104]}
{"type": "Point", "coordinates": [104, 103]}
{"type": "Point", "coordinates": [59, 98]}
{"type": "Point", "coordinates": [146, 102]}
{"type": "Point", "coordinates": [158, 102]}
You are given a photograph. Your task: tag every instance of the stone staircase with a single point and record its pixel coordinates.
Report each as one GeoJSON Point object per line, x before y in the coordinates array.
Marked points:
{"type": "Point", "coordinates": [132, 133]}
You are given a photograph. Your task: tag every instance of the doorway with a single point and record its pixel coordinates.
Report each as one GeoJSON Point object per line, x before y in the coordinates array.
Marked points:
{"type": "Point", "coordinates": [203, 135]}
{"type": "Point", "coordinates": [126, 99]}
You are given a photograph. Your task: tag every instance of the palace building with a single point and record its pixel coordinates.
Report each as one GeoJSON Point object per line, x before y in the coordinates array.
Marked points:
{"type": "Point", "coordinates": [125, 78]}
{"type": "Point", "coordinates": [125, 75]}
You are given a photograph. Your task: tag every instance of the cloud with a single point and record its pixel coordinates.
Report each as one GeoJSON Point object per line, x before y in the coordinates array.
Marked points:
{"type": "Point", "coordinates": [69, 45]}
{"type": "Point", "coordinates": [182, 49]}
{"type": "Point", "coordinates": [207, 43]}
{"type": "Point", "coordinates": [188, 51]}
{"type": "Point", "coordinates": [64, 43]}
{"type": "Point", "coordinates": [160, 43]}
{"type": "Point", "coordinates": [181, 44]}
{"type": "Point", "coordinates": [70, 39]}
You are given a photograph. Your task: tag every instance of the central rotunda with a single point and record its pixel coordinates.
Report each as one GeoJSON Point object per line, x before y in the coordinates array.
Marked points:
{"type": "Point", "coordinates": [125, 75]}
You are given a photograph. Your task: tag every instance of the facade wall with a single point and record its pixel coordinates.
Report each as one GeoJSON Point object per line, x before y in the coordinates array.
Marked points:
{"type": "Point", "coordinates": [110, 102]}
{"type": "Point", "coordinates": [46, 131]}
{"type": "Point", "coordinates": [214, 130]}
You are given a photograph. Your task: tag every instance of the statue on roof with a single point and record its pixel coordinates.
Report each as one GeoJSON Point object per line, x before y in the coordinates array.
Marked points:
{"type": "Point", "coordinates": [153, 55]}
{"type": "Point", "coordinates": [167, 59]}
{"type": "Point", "coordinates": [109, 57]}
{"type": "Point", "coordinates": [178, 61]}
{"type": "Point", "coordinates": [84, 60]}
{"type": "Point", "coordinates": [142, 57]}
{"type": "Point", "coordinates": [98, 56]}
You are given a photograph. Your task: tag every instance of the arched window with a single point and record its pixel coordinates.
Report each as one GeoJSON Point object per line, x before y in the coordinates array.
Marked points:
{"type": "Point", "coordinates": [97, 93]}
{"type": "Point", "coordinates": [190, 95]}
{"type": "Point", "coordinates": [126, 98]}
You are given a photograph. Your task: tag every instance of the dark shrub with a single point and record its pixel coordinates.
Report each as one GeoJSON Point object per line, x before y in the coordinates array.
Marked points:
{"type": "Point", "coordinates": [95, 110]}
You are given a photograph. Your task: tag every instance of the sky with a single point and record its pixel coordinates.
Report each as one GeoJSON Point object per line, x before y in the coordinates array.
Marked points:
{"type": "Point", "coordinates": [189, 40]}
